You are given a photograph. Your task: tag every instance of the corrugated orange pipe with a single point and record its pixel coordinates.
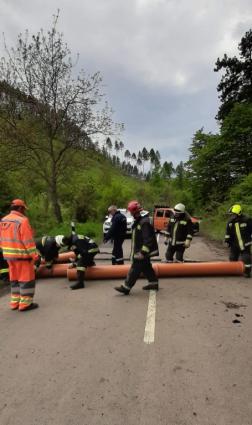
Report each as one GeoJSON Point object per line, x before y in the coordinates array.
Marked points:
{"type": "Point", "coordinates": [63, 258]}
{"type": "Point", "coordinates": [164, 270]}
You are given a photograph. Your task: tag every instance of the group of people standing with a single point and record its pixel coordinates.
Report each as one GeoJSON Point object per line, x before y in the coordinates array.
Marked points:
{"type": "Point", "coordinates": [21, 256]}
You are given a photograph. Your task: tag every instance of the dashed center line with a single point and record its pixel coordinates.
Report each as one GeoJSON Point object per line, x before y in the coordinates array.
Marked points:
{"type": "Point", "coordinates": [150, 320]}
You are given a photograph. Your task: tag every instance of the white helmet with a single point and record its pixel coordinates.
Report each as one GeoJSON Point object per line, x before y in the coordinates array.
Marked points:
{"type": "Point", "coordinates": [179, 209]}
{"type": "Point", "coordinates": [59, 240]}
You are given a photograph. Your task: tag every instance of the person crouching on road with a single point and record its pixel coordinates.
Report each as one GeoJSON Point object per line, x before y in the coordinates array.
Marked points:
{"type": "Point", "coordinates": [117, 232]}
{"type": "Point", "coordinates": [85, 250]}
{"type": "Point", "coordinates": [48, 248]}
{"type": "Point", "coordinates": [20, 251]}
{"type": "Point", "coordinates": [239, 237]}
{"type": "Point", "coordinates": [143, 247]}
{"type": "Point", "coordinates": [178, 235]}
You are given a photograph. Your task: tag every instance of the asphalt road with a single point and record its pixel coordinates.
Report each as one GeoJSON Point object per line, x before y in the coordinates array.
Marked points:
{"type": "Point", "coordinates": [82, 358]}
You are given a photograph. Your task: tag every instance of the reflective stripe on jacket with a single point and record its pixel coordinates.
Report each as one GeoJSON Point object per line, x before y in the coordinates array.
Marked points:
{"type": "Point", "coordinates": [16, 238]}
{"type": "Point", "coordinates": [82, 245]}
{"type": "Point", "coordinates": [48, 248]}
{"type": "Point", "coordinates": [143, 239]}
{"type": "Point", "coordinates": [239, 232]}
{"type": "Point", "coordinates": [179, 229]}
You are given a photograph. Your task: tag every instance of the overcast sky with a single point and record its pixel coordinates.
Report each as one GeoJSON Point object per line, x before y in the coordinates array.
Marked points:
{"type": "Point", "coordinates": [156, 58]}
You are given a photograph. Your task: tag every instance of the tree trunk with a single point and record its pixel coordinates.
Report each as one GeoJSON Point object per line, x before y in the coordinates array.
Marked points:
{"type": "Point", "coordinates": [56, 206]}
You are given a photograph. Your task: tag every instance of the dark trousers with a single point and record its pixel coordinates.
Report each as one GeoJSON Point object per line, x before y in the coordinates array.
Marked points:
{"type": "Point", "coordinates": [4, 268]}
{"type": "Point", "coordinates": [234, 254]}
{"type": "Point", "coordinates": [140, 266]}
{"type": "Point", "coordinates": [117, 252]}
{"type": "Point", "coordinates": [179, 249]}
{"type": "Point", "coordinates": [83, 263]}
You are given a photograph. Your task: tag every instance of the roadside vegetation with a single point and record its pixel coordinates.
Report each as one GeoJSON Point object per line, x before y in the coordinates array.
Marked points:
{"type": "Point", "coordinates": [64, 156]}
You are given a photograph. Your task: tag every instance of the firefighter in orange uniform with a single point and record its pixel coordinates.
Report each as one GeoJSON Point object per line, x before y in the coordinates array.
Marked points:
{"type": "Point", "coordinates": [19, 249]}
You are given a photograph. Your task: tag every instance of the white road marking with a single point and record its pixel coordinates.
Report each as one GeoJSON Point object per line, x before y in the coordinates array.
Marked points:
{"type": "Point", "coordinates": [158, 238]}
{"type": "Point", "coordinates": [150, 320]}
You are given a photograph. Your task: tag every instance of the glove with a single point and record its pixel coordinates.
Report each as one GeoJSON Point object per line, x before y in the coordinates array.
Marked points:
{"type": "Point", "coordinates": [73, 266]}
{"type": "Point", "coordinates": [37, 264]}
{"type": "Point", "coordinates": [187, 243]}
{"type": "Point", "coordinates": [166, 240]}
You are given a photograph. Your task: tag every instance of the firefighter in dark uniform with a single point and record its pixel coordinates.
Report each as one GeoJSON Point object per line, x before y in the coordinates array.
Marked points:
{"type": "Point", "coordinates": [48, 248]}
{"type": "Point", "coordinates": [85, 250]}
{"type": "Point", "coordinates": [239, 237]}
{"type": "Point", "coordinates": [178, 235]}
{"type": "Point", "coordinates": [143, 247]}
{"type": "Point", "coordinates": [4, 269]}
{"type": "Point", "coordinates": [117, 232]}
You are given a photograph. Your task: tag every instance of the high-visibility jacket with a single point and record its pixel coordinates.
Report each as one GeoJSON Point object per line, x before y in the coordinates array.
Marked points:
{"type": "Point", "coordinates": [179, 229]}
{"type": "Point", "coordinates": [143, 239]}
{"type": "Point", "coordinates": [48, 248]}
{"type": "Point", "coordinates": [16, 238]}
{"type": "Point", "coordinates": [82, 245]}
{"type": "Point", "coordinates": [239, 232]}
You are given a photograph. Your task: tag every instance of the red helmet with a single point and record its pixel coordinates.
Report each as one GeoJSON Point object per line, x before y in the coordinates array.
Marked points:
{"type": "Point", "coordinates": [134, 207]}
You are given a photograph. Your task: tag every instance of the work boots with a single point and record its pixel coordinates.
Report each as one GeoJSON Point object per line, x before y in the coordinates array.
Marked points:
{"type": "Point", "coordinates": [80, 281]}
{"type": "Point", "coordinates": [152, 285]}
{"type": "Point", "coordinates": [32, 306]}
{"type": "Point", "coordinates": [124, 290]}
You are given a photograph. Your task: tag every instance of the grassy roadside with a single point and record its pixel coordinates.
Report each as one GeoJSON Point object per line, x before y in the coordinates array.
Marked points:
{"type": "Point", "coordinates": [91, 229]}
{"type": "Point", "coordinates": [214, 228]}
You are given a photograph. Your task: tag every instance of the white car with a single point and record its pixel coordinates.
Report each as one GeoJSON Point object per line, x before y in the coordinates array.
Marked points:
{"type": "Point", "coordinates": [130, 220]}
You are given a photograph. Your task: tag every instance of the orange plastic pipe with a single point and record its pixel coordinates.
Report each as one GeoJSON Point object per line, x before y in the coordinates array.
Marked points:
{"type": "Point", "coordinates": [164, 270]}
{"type": "Point", "coordinates": [63, 258]}
{"type": "Point", "coordinates": [57, 270]}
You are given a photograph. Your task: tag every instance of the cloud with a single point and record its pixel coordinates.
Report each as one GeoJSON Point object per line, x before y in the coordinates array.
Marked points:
{"type": "Point", "coordinates": [156, 56]}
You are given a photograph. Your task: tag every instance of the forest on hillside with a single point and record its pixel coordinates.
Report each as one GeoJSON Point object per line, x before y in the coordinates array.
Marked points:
{"type": "Point", "coordinates": [51, 158]}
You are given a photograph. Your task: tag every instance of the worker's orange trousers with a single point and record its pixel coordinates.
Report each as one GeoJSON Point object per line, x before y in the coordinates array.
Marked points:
{"type": "Point", "coordinates": [22, 280]}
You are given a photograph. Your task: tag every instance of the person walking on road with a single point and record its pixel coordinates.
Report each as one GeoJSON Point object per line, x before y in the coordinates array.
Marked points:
{"type": "Point", "coordinates": [143, 247]}
{"type": "Point", "coordinates": [48, 248]}
{"type": "Point", "coordinates": [117, 232]}
{"type": "Point", "coordinates": [85, 250]}
{"type": "Point", "coordinates": [239, 237]}
{"type": "Point", "coordinates": [19, 249]}
{"type": "Point", "coordinates": [178, 235]}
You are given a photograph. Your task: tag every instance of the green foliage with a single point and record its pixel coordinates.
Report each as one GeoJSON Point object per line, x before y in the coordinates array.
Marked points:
{"type": "Point", "coordinates": [91, 229]}
{"type": "Point", "coordinates": [236, 83]}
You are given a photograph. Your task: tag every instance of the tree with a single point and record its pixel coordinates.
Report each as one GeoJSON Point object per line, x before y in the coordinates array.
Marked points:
{"type": "Point", "coordinates": [46, 116]}
{"type": "Point", "coordinates": [236, 84]}
{"type": "Point", "coordinates": [127, 154]}
{"type": "Point", "coordinates": [117, 147]}
{"type": "Point", "coordinates": [152, 159]}
{"type": "Point", "coordinates": [180, 173]}
{"type": "Point", "coordinates": [109, 145]}
{"type": "Point", "coordinates": [145, 156]}
{"type": "Point", "coordinates": [167, 170]}
{"type": "Point", "coordinates": [157, 158]}
{"type": "Point", "coordinates": [121, 146]}
{"type": "Point", "coordinates": [134, 158]}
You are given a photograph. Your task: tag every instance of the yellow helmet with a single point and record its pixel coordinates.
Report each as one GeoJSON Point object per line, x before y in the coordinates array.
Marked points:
{"type": "Point", "coordinates": [235, 209]}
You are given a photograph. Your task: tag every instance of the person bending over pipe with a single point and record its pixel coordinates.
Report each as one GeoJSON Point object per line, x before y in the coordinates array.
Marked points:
{"type": "Point", "coordinates": [85, 250]}
{"type": "Point", "coordinates": [239, 237]}
{"type": "Point", "coordinates": [48, 248]}
{"type": "Point", "coordinates": [117, 232]}
{"type": "Point", "coordinates": [143, 247]}
{"type": "Point", "coordinates": [178, 235]}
